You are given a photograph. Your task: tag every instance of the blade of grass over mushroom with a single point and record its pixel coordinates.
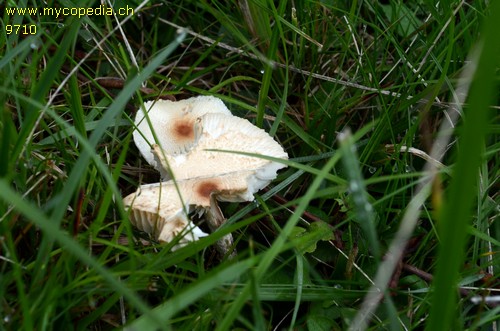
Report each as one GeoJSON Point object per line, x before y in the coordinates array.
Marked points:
{"type": "Point", "coordinates": [278, 244]}
{"type": "Point", "coordinates": [364, 211]}
{"type": "Point", "coordinates": [286, 121]}
{"type": "Point", "coordinates": [166, 258]}
{"type": "Point", "coordinates": [459, 202]}
{"type": "Point", "coordinates": [288, 163]}
{"type": "Point", "coordinates": [300, 132]}
{"type": "Point", "coordinates": [267, 195]}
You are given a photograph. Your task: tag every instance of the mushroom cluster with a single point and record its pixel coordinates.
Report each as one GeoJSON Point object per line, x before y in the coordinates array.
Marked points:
{"type": "Point", "coordinates": [203, 154]}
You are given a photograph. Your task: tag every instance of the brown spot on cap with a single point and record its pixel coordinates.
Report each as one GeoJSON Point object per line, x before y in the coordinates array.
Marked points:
{"type": "Point", "coordinates": [183, 130]}
{"type": "Point", "coordinates": [206, 188]}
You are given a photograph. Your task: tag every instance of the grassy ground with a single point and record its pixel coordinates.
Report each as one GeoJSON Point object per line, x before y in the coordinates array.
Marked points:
{"type": "Point", "coordinates": [415, 82]}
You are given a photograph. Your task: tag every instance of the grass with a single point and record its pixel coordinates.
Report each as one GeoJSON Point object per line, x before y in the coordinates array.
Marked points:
{"type": "Point", "coordinates": [361, 231]}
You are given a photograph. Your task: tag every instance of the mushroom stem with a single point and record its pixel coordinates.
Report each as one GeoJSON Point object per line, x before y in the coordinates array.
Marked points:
{"type": "Point", "coordinates": [215, 218]}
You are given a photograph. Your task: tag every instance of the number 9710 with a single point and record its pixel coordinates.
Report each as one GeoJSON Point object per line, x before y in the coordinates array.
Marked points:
{"type": "Point", "coordinates": [20, 28]}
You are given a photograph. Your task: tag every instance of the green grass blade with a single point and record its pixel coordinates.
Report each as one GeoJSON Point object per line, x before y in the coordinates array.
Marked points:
{"type": "Point", "coordinates": [460, 199]}
{"type": "Point", "coordinates": [268, 70]}
{"type": "Point", "coordinates": [299, 275]}
{"type": "Point", "coordinates": [364, 211]}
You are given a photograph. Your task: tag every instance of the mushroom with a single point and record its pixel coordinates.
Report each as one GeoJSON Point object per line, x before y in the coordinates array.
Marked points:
{"type": "Point", "coordinates": [159, 210]}
{"type": "Point", "coordinates": [207, 166]}
{"type": "Point", "coordinates": [173, 123]}
{"type": "Point", "coordinates": [225, 176]}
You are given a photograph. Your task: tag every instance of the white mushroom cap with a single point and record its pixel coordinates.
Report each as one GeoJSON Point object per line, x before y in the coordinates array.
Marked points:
{"type": "Point", "coordinates": [230, 133]}
{"type": "Point", "coordinates": [188, 131]}
{"type": "Point", "coordinates": [158, 210]}
{"type": "Point", "coordinates": [173, 123]}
